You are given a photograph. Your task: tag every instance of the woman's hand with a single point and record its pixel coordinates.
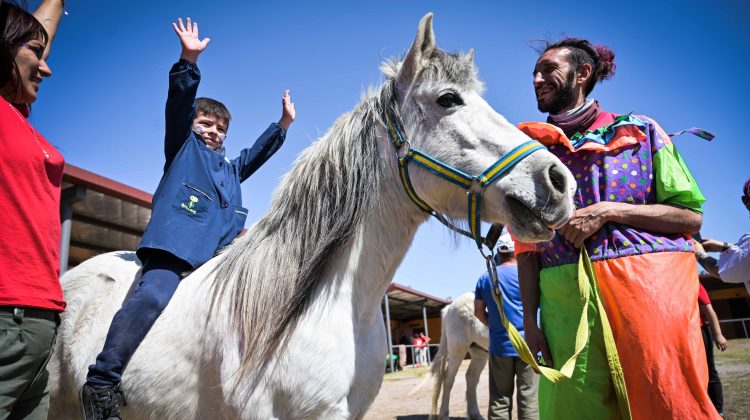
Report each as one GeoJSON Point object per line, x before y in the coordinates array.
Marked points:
{"type": "Point", "coordinates": [287, 111]}
{"type": "Point", "coordinates": [192, 46]}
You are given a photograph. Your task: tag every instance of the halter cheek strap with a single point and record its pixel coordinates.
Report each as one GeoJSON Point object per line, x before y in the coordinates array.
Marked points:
{"type": "Point", "coordinates": [474, 185]}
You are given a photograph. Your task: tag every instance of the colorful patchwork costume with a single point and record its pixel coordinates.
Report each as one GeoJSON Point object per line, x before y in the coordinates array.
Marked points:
{"type": "Point", "coordinates": [647, 282]}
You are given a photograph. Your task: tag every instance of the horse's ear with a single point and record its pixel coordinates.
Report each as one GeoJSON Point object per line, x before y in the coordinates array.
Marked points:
{"type": "Point", "coordinates": [470, 55]}
{"type": "Point", "coordinates": [421, 49]}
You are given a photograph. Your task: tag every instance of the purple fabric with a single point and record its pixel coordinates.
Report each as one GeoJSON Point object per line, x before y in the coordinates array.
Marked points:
{"type": "Point", "coordinates": [624, 175]}
{"type": "Point", "coordinates": [704, 134]}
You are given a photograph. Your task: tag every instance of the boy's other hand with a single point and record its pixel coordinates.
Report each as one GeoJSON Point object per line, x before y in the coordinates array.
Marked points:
{"type": "Point", "coordinates": [287, 111]}
{"type": "Point", "coordinates": [192, 46]}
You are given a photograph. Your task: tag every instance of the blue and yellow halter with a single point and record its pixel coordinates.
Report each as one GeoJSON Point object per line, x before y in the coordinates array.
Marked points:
{"type": "Point", "coordinates": [474, 185]}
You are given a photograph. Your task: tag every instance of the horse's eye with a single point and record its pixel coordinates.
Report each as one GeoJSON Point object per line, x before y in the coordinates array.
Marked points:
{"type": "Point", "coordinates": [449, 99]}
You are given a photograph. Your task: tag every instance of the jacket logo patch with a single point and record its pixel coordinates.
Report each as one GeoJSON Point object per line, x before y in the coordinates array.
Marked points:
{"type": "Point", "coordinates": [190, 207]}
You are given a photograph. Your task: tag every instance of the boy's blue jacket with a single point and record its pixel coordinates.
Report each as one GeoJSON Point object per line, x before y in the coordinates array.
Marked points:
{"type": "Point", "coordinates": [197, 207]}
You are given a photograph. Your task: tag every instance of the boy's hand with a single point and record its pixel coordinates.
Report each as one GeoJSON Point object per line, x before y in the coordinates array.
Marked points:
{"type": "Point", "coordinates": [287, 111]}
{"type": "Point", "coordinates": [192, 46]}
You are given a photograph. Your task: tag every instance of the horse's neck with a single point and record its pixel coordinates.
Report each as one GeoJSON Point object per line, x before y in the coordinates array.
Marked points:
{"type": "Point", "coordinates": [368, 264]}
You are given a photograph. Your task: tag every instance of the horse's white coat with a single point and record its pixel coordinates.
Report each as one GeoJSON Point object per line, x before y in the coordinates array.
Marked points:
{"type": "Point", "coordinates": [330, 365]}
{"type": "Point", "coordinates": [462, 332]}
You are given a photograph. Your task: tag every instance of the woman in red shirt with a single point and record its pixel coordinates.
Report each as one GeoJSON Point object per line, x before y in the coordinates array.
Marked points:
{"type": "Point", "coordinates": [31, 174]}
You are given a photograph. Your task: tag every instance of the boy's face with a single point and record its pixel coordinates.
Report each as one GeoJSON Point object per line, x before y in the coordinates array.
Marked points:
{"type": "Point", "coordinates": [213, 129]}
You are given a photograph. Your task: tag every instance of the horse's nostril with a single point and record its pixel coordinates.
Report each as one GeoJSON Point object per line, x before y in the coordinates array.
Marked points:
{"type": "Point", "coordinates": [557, 177]}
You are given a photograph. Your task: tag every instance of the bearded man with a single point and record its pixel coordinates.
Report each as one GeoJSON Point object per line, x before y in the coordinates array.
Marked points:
{"type": "Point", "coordinates": [636, 204]}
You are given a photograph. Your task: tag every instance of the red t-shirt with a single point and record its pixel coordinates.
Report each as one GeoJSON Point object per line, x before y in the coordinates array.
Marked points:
{"type": "Point", "coordinates": [703, 299]}
{"type": "Point", "coordinates": [418, 342]}
{"type": "Point", "coordinates": [31, 172]}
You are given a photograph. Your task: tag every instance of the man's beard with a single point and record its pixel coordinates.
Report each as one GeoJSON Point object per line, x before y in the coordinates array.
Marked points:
{"type": "Point", "coordinates": [562, 97]}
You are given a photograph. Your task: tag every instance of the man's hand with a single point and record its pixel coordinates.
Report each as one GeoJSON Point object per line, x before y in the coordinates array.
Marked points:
{"type": "Point", "coordinates": [192, 46]}
{"type": "Point", "coordinates": [287, 111]}
{"type": "Point", "coordinates": [712, 245]}
{"type": "Point", "coordinates": [721, 342]}
{"type": "Point", "coordinates": [585, 222]}
{"type": "Point", "coordinates": [537, 343]}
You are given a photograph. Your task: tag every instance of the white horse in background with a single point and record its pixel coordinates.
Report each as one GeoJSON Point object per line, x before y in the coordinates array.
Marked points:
{"type": "Point", "coordinates": [461, 332]}
{"type": "Point", "coordinates": [286, 323]}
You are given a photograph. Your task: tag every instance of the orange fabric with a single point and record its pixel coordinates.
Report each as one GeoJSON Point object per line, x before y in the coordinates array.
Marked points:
{"type": "Point", "coordinates": [548, 134]}
{"type": "Point", "coordinates": [520, 247]}
{"type": "Point", "coordinates": [544, 133]}
{"type": "Point", "coordinates": [651, 303]}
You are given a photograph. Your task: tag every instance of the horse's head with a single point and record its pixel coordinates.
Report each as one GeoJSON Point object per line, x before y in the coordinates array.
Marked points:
{"type": "Point", "coordinates": [439, 102]}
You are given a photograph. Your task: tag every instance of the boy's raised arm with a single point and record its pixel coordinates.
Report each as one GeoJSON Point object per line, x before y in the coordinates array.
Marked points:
{"type": "Point", "coordinates": [184, 78]}
{"type": "Point", "coordinates": [269, 142]}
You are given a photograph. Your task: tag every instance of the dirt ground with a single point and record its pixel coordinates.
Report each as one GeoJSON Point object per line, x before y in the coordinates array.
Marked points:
{"type": "Point", "coordinates": [733, 366]}
{"type": "Point", "coordinates": [394, 401]}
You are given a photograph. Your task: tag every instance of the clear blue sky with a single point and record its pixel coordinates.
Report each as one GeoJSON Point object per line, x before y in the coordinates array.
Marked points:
{"type": "Point", "coordinates": [683, 63]}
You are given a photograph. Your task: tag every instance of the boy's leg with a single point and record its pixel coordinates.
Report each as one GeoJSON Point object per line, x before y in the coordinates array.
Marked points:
{"type": "Point", "coordinates": [527, 383]}
{"type": "Point", "coordinates": [26, 340]}
{"type": "Point", "coordinates": [160, 278]}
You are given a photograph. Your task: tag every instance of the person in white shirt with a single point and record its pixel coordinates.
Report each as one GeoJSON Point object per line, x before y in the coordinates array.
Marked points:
{"type": "Point", "coordinates": [733, 265]}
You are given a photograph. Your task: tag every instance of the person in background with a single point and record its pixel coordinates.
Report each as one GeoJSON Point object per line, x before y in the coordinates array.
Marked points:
{"type": "Point", "coordinates": [425, 347]}
{"type": "Point", "coordinates": [31, 172]}
{"type": "Point", "coordinates": [507, 370]}
{"type": "Point", "coordinates": [711, 331]}
{"type": "Point", "coordinates": [733, 265]}
{"type": "Point", "coordinates": [417, 342]}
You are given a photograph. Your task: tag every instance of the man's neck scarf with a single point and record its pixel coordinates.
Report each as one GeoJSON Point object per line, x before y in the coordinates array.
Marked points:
{"type": "Point", "coordinates": [576, 120]}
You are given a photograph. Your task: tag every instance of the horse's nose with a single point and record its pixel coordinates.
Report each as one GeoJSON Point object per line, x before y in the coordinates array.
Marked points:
{"type": "Point", "coordinates": [557, 177]}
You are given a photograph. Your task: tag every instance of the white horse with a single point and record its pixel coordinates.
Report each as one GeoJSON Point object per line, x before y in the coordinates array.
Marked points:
{"type": "Point", "coordinates": [286, 323]}
{"type": "Point", "coordinates": [461, 332]}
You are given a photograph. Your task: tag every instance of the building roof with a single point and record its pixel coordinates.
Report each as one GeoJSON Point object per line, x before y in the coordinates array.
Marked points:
{"type": "Point", "coordinates": [107, 215]}
{"type": "Point", "coordinates": [406, 303]}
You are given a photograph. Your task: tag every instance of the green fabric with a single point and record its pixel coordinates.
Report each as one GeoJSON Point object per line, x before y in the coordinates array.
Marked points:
{"type": "Point", "coordinates": [590, 391]}
{"type": "Point", "coordinates": [585, 273]}
{"type": "Point", "coordinates": [675, 184]}
{"type": "Point", "coordinates": [604, 134]}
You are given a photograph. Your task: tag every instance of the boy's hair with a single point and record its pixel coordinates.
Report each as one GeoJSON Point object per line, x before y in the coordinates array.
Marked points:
{"type": "Point", "coordinates": [208, 106]}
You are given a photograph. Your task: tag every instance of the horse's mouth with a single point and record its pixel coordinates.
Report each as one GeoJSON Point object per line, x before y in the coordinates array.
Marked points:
{"type": "Point", "coordinates": [527, 219]}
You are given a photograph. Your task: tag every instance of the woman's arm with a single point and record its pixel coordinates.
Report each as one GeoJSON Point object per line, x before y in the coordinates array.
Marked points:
{"type": "Point", "coordinates": [49, 14]}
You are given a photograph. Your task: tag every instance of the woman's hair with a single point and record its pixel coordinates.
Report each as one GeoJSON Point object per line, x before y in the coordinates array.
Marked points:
{"type": "Point", "coordinates": [599, 57]}
{"type": "Point", "coordinates": [16, 27]}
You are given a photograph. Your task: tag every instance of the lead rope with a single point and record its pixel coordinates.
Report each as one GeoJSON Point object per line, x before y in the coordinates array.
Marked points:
{"type": "Point", "coordinates": [587, 284]}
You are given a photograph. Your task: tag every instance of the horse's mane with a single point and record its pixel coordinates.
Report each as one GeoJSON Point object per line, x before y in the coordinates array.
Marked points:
{"type": "Point", "coordinates": [271, 273]}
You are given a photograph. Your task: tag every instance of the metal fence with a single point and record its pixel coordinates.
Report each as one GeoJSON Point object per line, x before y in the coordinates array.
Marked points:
{"type": "Point", "coordinates": [742, 321]}
{"type": "Point", "coordinates": [412, 351]}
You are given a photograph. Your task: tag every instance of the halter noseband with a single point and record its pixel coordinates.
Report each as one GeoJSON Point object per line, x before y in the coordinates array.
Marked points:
{"type": "Point", "coordinates": [474, 185]}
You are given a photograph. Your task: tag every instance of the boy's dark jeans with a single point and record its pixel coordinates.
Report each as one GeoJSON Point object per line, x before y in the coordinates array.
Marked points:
{"type": "Point", "coordinates": [27, 336]}
{"type": "Point", "coordinates": [161, 276]}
